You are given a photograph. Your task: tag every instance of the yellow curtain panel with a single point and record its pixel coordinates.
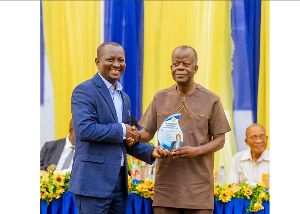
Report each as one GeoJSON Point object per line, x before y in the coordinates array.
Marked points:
{"type": "Point", "coordinates": [204, 25]}
{"type": "Point", "coordinates": [263, 102]}
{"type": "Point", "coordinates": [71, 43]}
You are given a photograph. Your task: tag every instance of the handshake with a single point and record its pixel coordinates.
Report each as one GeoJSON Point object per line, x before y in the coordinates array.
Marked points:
{"type": "Point", "coordinates": [133, 136]}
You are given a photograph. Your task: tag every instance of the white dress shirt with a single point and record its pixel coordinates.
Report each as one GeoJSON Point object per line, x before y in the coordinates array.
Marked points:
{"type": "Point", "coordinates": [118, 102]}
{"type": "Point", "coordinates": [66, 151]}
{"type": "Point", "coordinates": [245, 169]}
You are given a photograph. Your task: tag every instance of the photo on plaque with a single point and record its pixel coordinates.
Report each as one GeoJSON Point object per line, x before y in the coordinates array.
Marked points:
{"type": "Point", "coordinates": [169, 134]}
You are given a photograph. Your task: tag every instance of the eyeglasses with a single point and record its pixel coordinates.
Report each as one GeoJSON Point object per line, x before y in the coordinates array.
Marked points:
{"type": "Point", "coordinates": [255, 137]}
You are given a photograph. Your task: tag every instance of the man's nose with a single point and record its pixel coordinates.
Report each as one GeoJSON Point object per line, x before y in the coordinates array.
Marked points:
{"type": "Point", "coordinates": [258, 140]}
{"type": "Point", "coordinates": [116, 63]}
{"type": "Point", "coordinates": [180, 66]}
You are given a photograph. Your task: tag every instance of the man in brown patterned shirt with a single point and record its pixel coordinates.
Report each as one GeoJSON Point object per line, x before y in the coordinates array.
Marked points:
{"type": "Point", "coordinates": [184, 180]}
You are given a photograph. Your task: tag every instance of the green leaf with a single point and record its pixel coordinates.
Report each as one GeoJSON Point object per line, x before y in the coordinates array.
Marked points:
{"type": "Point", "coordinates": [244, 185]}
{"type": "Point", "coordinates": [223, 186]}
{"type": "Point", "coordinates": [51, 189]}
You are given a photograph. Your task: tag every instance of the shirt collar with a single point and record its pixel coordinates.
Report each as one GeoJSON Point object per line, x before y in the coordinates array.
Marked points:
{"type": "Point", "coordinates": [264, 156]}
{"type": "Point", "coordinates": [110, 86]}
{"type": "Point", "coordinates": [68, 142]}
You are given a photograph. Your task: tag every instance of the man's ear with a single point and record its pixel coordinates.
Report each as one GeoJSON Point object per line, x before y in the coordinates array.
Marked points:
{"type": "Point", "coordinates": [196, 69]}
{"type": "Point", "coordinates": [246, 140]}
{"type": "Point", "coordinates": [97, 62]}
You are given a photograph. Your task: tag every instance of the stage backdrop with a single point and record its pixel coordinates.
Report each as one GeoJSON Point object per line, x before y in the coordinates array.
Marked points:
{"type": "Point", "coordinates": [71, 33]}
{"type": "Point", "coordinates": [205, 26]}
{"type": "Point", "coordinates": [149, 31]}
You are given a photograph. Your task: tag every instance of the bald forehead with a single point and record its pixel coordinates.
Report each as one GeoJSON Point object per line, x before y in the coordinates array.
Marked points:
{"type": "Point", "coordinates": [186, 53]}
{"type": "Point", "coordinates": [187, 50]}
{"type": "Point", "coordinates": [254, 127]}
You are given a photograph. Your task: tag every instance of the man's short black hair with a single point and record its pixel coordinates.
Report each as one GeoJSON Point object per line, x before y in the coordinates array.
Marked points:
{"type": "Point", "coordinates": [102, 46]}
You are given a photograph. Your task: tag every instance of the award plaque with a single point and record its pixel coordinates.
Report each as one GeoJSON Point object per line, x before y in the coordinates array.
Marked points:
{"type": "Point", "coordinates": [169, 134]}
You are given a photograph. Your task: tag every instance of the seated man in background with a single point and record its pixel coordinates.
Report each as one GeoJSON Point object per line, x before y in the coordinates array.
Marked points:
{"type": "Point", "coordinates": [249, 165]}
{"type": "Point", "coordinates": [58, 154]}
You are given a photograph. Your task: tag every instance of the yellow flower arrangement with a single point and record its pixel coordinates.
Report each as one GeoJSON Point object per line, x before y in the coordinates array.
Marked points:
{"type": "Point", "coordinates": [60, 190]}
{"type": "Point", "coordinates": [141, 188]}
{"type": "Point", "coordinates": [262, 195]}
{"type": "Point", "coordinates": [148, 182]}
{"type": "Point", "coordinates": [257, 207]}
{"type": "Point", "coordinates": [216, 191]}
{"type": "Point", "coordinates": [43, 193]}
{"type": "Point", "coordinates": [58, 179]}
{"type": "Point", "coordinates": [225, 195]}
{"type": "Point", "coordinates": [234, 189]}
{"type": "Point", "coordinates": [52, 195]}
{"type": "Point", "coordinates": [43, 173]}
{"type": "Point", "coordinates": [44, 179]}
{"type": "Point", "coordinates": [257, 194]}
{"type": "Point", "coordinates": [151, 188]}
{"type": "Point", "coordinates": [144, 189]}
{"type": "Point", "coordinates": [247, 192]}
{"type": "Point", "coordinates": [129, 182]}
{"type": "Point", "coordinates": [261, 184]}
{"type": "Point", "coordinates": [267, 196]}
{"type": "Point", "coordinates": [148, 195]}
{"type": "Point", "coordinates": [52, 186]}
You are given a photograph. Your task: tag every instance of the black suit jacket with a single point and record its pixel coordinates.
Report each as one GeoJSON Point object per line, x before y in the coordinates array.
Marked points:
{"type": "Point", "coordinates": [50, 153]}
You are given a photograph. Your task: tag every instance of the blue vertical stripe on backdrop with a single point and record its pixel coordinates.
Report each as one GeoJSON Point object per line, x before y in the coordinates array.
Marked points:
{"type": "Point", "coordinates": [252, 20]}
{"type": "Point", "coordinates": [41, 57]}
{"type": "Point", "coordinates": [240, 71]}
{"type": "Point", "coordinates": [124, 24]}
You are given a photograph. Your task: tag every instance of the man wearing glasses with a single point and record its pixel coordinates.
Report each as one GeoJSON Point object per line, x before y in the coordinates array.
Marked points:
{"type": "Point", "coordinates": [249, 165]}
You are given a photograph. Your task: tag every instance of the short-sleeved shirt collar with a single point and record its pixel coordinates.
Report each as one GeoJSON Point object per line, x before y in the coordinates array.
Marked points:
{"type": "Point", "coordinates": [248, 156]}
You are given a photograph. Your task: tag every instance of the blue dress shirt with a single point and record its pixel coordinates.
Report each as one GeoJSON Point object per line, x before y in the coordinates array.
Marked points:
{"type": "Point", "coordinates": [118, 102]}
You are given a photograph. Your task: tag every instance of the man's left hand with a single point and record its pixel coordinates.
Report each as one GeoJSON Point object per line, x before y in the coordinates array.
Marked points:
{"type": "Point", "coordinates": [130, 142]}
{"type": "Point", "coordinates": [185, 152]}
{"type": "Point", "coordinates": [160, 152]}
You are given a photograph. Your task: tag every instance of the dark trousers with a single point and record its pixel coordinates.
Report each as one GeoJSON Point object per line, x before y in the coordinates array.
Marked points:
{"type": "Point", "coordinates": [115, 203]}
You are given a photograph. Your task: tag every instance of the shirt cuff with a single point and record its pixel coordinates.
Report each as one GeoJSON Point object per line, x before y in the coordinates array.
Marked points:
{"type": "Point", "coordinates": [124, 130]}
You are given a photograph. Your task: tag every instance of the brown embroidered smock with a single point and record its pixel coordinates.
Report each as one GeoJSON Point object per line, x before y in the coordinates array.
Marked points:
{"type": "Point", "coordinates": [186, 183]}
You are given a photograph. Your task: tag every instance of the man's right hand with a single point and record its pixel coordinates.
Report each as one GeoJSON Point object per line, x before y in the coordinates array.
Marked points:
{"type": "Point", "coordinates": [51, 168]}
{"type": "Point", "coordinates": [132, 132]}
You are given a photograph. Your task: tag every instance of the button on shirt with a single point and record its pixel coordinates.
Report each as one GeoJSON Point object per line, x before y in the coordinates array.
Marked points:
{"type": "Point", "coordinates": [245, 169]}
{"type": "Point", "coordinates": [118, 102]}
{"type": "Point", "coordinates": [66, 151]}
